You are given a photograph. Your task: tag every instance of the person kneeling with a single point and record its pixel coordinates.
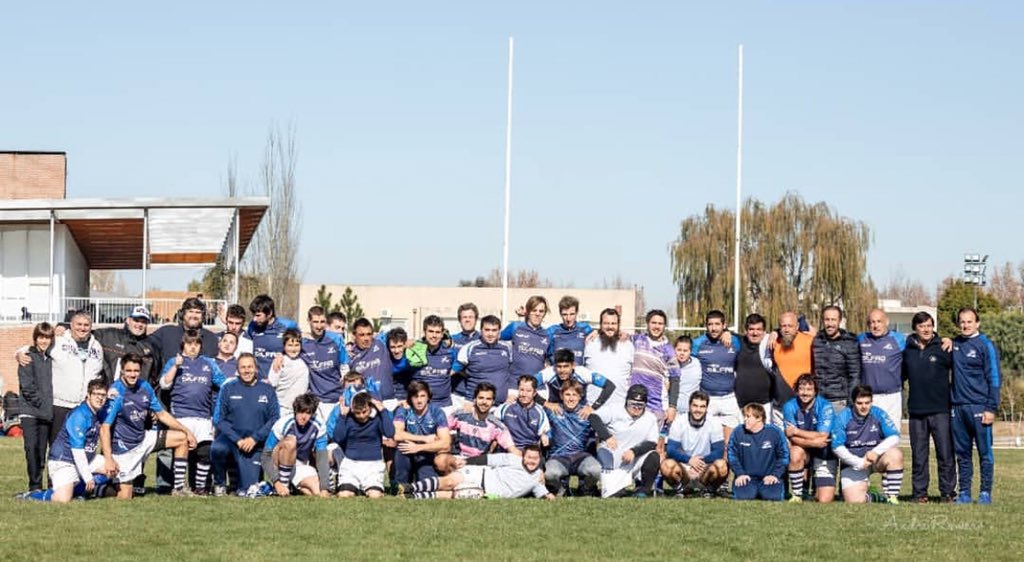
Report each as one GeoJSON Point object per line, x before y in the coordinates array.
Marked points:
{"type": "Point", "coordinates": [866, 440]}
{"type": "Point", "coordinates": [758, 455]}
{"type": "Point", "coordinates": [293, 443]}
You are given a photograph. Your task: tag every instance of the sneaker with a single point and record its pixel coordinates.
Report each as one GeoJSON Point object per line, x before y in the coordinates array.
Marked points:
{"type": "Point", "coordinates": [201, 492]}
{"type": "Point", "coordinates": [964, 498]}
{"type": "Point", "coordinates": [796, 499]}
{"type": "Point", "coordinates": [892, 500]}
{"type": "Point", "coordinates": [138, 491]}
{"type": "Point", "coordinates": [182, 493]}
{"type": "Point", "coordinates": [708, 494]}
{"type": "Point", "coordinates": [220, 491]}
{"type": "Point", "coordinates": [985, 498]}
{"type": "Point", "coordinates": [723, 491]}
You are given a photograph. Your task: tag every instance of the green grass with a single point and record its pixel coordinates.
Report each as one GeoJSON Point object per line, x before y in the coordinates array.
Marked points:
{"type": "Point", "coordinates": [575, 529]}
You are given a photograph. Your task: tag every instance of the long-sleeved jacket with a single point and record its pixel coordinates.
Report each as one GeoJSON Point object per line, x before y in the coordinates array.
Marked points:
{"type": "Point", "coordinates": [245, 410]}
{"type": "Point", "coordinates": [117, 342]}
{"type": "Point", "coordinates": [35, 382]}
{"type": "Point", "coordinates": [927, 372]}
{"type": "Point", "coordinates": [976, 376]}
{"type": "Point", "coordinates": [836, 364]}
{"type": "Point", "coordinates": [73, 368]}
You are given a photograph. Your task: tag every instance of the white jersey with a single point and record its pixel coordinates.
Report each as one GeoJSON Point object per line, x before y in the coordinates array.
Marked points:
{"type": "Point", "coordinates": [627, 430]}
{"type": "Point", "coordinates": [615, 366]}
{"type": "Point", "coordinates": [505, 477]}
{"type": "Point", "coordinates": [689, 382]}
{"type": "Point", "coordinates": [695, 441]}
{"type": "Point", "coordinates": [290, 382]}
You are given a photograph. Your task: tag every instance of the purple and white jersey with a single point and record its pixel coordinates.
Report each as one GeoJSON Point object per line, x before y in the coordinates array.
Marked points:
{"type": "Point", "coordinates": [654, 363]}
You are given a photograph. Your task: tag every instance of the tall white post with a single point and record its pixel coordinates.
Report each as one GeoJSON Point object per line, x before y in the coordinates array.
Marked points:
{"type": "Point", "coordinates": [145, 252]}
{"type": "Point", "coordinates": [739, 200]}
{"type": "Point", "coordinates": [49, 307]}
{"type": "Point", "coordinates": [508, 184]}
{"type": "Point", "coordinates": [238, 252]}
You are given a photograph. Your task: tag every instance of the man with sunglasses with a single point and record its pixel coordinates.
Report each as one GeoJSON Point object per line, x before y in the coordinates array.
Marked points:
{"type": "Point", "coordinates": [628, 439]}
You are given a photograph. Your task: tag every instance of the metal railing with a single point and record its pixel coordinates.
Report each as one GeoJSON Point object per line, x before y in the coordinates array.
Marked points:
{"type": "Point", "coordinates": [107, 310]}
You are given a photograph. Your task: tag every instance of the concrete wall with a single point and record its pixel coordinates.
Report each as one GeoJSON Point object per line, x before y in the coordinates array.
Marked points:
{"type": "Point", "coordinates": [32, 175]}
{"type": "Point", "coordinates": [406, 306]}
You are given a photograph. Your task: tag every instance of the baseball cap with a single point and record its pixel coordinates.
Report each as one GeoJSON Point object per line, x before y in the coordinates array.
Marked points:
{"type": "Point", "coordinates": [637, 392]}
{"type": "Point", "coordinates": [141, 312]}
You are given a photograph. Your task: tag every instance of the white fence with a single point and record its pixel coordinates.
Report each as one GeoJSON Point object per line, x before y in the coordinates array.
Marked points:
{"type": "Point", "coordinates": [106, 310]}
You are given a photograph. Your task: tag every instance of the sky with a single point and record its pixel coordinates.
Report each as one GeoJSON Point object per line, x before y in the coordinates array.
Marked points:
{"type": "Point", "coordinates": [905, 115]}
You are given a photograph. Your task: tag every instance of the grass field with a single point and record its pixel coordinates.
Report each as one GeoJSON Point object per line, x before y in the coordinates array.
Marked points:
{"type": "Point", "coordinates": [574, 529]}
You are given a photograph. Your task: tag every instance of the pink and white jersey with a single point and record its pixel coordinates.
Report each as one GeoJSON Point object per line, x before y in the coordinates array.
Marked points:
{"type": "Point", "coordinates": [476, 436]}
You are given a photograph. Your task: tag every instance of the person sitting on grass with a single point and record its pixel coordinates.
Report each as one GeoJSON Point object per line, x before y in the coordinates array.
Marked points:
{"type": "Point", "coordinates": [296, 443]}
{"type": "Point", "coordinates": [75, 468]}
{"type": "Point", "coordinates": [696, 450]}
{"type": "Point", "coordinates": [526, 420]}
{"type": "Point", "coordinates": [421, 431]}
{"type": "Point", "coordinates": [477, 431]}
{"type": "Point", "coordinates": [360, 434]}
{"type": "Point", "coordinates": [498, 475]}
{"type": "Point", "coordinates": [125, 438]}
{"type": "Point", "coordinates": [758, 455]}
{"type": "Point", "coordinates": [628, 438]}
{"type": "Point", "coordinates": [571, 432]}
{"type": "Point", "coordinates": [866, 440]}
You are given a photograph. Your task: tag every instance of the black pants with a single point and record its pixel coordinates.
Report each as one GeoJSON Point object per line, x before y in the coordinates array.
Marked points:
{"type": "Point", "coordinates": [59, 415]}
{"type": "Point", "coordinates": [936, 426]}
{"type": "Point", "coordinates": [37, 432]}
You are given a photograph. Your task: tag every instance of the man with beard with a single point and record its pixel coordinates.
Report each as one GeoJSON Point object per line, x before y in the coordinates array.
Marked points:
{"type": "Point", "coordinates": [655, 367]}
{"type": "Point", "coordinates": [696, 450]}
{"type": "Point", "coordinates": [808, 422]}
{"type": "Point", "coordinates": [792, 349]}
{"type": "Point", "coordinates": [499, 476]}
{"type": "Point", "coordinates": [836, 359]}
{"type": "Point", "coordinates": [610, 355]}
{"type": "Point", "coordinates": [266, 332]}
{"type": "Point", "coordinates": [718, 371]}
{"type": "Point", "coordinates": [628, 439]}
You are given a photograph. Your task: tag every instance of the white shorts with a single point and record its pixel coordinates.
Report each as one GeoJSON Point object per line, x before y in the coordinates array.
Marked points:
{"type": "Point", "coordinates": [472, 477]}
{"type": "Point", "coordinates": [65, 473]}
{"type": "Point", "coordinates": [202, 428]}
{"type": "Point", "coordinates": [302, 471]}
{"type": "Point", "coordinates": [130, 463]}
{"type": "Point", "coordinates": [361, 475]}
{"type": "Point", "coordinates": [855, 476]}
{"type": "Point", "coordinates": [891, 404]}
{"type": "Point", "coordinates": [824, 469]}
{"type": "Point", "coordinates": [618, 479]}
{"type": "Point", "coordinates": [725, 411]}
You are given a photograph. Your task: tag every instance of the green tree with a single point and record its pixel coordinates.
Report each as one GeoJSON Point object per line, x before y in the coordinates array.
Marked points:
{"type": "Point", "coordinates": [349, 304]}
{"type": "Point", "coordinates": [795, 256]}
{"type": "Point", "coordinates": [954, 295]}
{"type": "Point", "coordinates": [1006, 330]}
{"type": "Point", "coordinates": [323, 299]}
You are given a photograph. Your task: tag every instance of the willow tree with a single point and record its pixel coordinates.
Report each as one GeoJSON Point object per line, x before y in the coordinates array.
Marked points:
{"type": "Point", "coordinates": [793, 256]}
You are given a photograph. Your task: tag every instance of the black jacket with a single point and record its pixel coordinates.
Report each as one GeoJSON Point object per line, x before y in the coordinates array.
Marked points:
{"type": "Point", "coordinates": [836, 364]}
{"type": "Point", "coordinates": [927, 373]}
{"type": "Point", "coordinates": [117, 342]}
{"type": "Point", "coordinates": [35, 382]}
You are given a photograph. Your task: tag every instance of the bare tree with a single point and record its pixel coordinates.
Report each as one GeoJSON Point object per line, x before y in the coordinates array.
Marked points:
{"type": "Point", "coordinates": [910, 292]}
{"type": "Point", "coordinates": [1006, 287]}
{"type": "Point", "coordinates": [273, 258]}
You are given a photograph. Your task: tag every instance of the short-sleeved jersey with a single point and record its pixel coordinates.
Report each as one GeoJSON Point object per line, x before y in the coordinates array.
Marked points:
{"type": "Point", "coordinates": [435, 372]}
{"type": "Point", "coordinates": [627, 430]}
{"type": "Point", "coordinates": [81, 431]}
{"type": "Point", "coordinates": [327, 360]}
{"type": "Point", "coordinates": [689, 382]}
{"type": "Point", "coordinates": [482, 362]}
{"type": "Point", "coordinates": [881, 361]}
{"type": "Point", "coordinates": [549, 381]}
{"type": "Point", "coordinates": [860, 435]}
{"type": "Point", "coordinates": [570, 433]}
{"type": "Point", "coordinates": [192, 391]}
{"type": "Point", "coordinates": [654, 363]}
{"type": "Point", "coordinates": [717, 364]}
{"type": "Point", "coordinates": [228, 366]}
{"type": "Point", "coordinates": [128, 408]}
{"type": "Point", "coordinates": [529, 346]}
{"type": "Point", "coordinates": [309, 438]}
{"type": "Point", "coordinates": [375, 363]}
{"type": "Point", "coordinates": [574, 339]}
{"type": "Point", "coordinates": [526, 423]}
{"type": "Point", "coordinates": [818, 417]}
{"type": "Point", "coordinates": [476, 436]}
{"type": "Point", "coordinates": [426, 423]}
{"type": "Point", "coordinates": [268, 341]}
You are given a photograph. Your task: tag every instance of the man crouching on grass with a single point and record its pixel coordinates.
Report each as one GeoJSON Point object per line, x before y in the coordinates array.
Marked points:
{"type": "Point", "coordinates": [495, 475]}
{"type": "Point", "coordinates": [295, 444]}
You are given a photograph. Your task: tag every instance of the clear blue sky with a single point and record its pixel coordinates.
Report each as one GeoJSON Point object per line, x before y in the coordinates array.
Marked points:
{"type": "Point", "coordinates": [906, 115]}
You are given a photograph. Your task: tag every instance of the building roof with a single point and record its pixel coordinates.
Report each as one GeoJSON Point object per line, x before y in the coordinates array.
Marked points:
{"type": "Point", "coordinates": [110, 232]}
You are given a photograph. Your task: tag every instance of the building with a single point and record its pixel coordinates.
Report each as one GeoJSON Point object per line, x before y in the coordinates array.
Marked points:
{"type": "Point", "coordinates": [49, 244]}
{"type": "Point", "coordinates": [406, 306]}
{"type": "Point", "coordinates": [900, 316]}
